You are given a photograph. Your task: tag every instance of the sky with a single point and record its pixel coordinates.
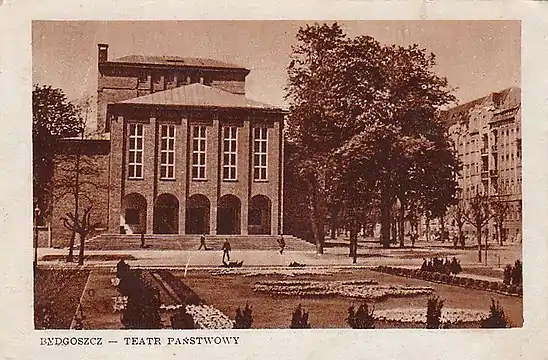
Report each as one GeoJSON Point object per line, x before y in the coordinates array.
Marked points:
{"type": "Point", "coordinates": [477, 57]}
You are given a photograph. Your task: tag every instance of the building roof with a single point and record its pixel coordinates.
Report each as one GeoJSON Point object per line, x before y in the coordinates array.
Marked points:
{"type": "Point", "coordinates": [176, 61]}
{"type": "Point", "coordinates": [199, 95]}
{"type": "Point", "coordinates": [504, 99]}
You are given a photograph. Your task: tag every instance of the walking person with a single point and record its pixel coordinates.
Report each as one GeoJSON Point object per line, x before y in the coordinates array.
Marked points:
{"type": "Point", "coordinates": [281, 242]}
{"type": "Point", "coordinates": [202, 242]}
{"type": "Point", "coordinates": [226, 250]}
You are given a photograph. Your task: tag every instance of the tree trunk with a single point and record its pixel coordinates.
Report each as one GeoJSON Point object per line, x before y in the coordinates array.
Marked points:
{"type": "Point", "coordinates": [385, 219]}
{"type": "Point", "coordinates": [81, 252]}
{"type": "Point", "coordinates": [501, 235]}
{"type": "Point", "coordinates": [401, 224]}
{"type": "Point", "coordinates": [478, 236]}
{"type": "Point", "coordinates": [318, 216]}
{"type": "Point", "coordinates": [70, 256]}
{"type": "Point", "coordinates": [427, 228]}
{"type": "Point", "coordinates": [354, 241]}
{"type": "Point", "coordinates": [442, 220]}
{"type": "Point", "coordinates": [334, 221]}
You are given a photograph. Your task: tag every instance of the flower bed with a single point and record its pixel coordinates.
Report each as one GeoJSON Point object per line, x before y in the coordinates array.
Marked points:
{"type": "Point", "coordinates": [208, 317]}
{"type": "Point", "coordinates": [359, 289]}
{"type": "Point", "coordinates": [493, 286]}
{"type": "Point", "coordinates": [451, 316]}
{"type": "Point", "coordinates": [294, 271]}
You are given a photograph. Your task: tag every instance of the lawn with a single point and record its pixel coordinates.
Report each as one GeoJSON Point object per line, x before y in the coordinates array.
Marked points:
{"type": "Point", "coordinates": [228, 292]}
{"type": "Point", "coordinates": [59, 291]}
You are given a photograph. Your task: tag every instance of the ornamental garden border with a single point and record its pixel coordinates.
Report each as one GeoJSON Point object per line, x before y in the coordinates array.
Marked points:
{"type": "Point", "coordinates": [462, 281]}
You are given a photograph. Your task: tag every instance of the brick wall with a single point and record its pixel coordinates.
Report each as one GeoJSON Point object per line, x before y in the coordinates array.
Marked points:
{"type": "Point", "coordinates": [94, 186]}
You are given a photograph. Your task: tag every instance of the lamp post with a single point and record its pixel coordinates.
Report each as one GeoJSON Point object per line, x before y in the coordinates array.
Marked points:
{"type": "Point", "coordinates": [35, 233]}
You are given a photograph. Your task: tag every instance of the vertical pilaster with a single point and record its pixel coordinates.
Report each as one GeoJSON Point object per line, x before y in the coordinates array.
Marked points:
{"type": "Point", "coordinates": [274, 174]}
{"type": "Point", "coordinates": [181, 170]}
{"type": "Point", "coordinates": [281, 173]}
{"type": "Point", "coordinates": [243, 148]}
{"type": "Point", "coordinates": [212, 156]}
{"type": "Point", "coordinates": [149, 170]}
{"type": "Point", "coordinates": [116, 172]}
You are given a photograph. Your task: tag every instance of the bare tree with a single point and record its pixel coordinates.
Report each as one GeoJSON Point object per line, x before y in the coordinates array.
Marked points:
{"type": "Point", "coordinates": [500, 211]}
{"type": "Point", "coordinates": [478, 214]}
{"type": "Point", "coordinates": [82, 227]}
{"type": "Point", "coordinates": [458, 212]}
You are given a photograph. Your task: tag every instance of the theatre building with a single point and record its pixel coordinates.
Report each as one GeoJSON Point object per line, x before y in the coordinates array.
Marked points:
{"type": "Point", "coordinates": [188, 152]}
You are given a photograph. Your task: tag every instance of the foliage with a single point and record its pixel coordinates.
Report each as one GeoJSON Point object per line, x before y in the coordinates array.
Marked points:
{"type": "Point", "coordinates": [244, 318]}
{"type": "Point", "coordinates": [53, 118]}
{"type": "Point", "coordinates": [182, 320]}
{"type": "Point", "coordinates": [143, 306]}
{"type": "Point", "coordinates": [363, 318]}
{"type": "Point", "coordinates": [299, 319]}
{"type": "Point", "coordinates": [507, 275]}
{"type": "Point", "coordinates": [433, 313]}
{"type": "Point", "coordinates": [497, 318]}
{"type": "Point", "coordinates": [364, 120]}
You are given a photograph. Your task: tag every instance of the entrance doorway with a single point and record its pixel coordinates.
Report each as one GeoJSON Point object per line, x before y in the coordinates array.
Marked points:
{"type": "Point", "coordinates": [228, 215]}
{"type": "Point", "coordinates": [259, 215]}
{"type": "Point", "coordinates": [134, 214]}
{"type": "Point", "coordinates": [166, 215]}
{"type": "Point", "coordinates": [197, 215]}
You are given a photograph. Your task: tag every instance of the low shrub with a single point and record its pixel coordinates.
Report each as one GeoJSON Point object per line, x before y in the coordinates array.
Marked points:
{"type": "Point", "coordinates": [519, 290]}
{"type": "Point", "coordinates": [507, 274]}
{"type": "Point", "coordinates": [497, 318]}
{"type": "Point", "coordinates": [182, 320]}
{"type": "Point", "coordinates": [493, 286]}
{"type": "Point", "coordinates": [362, 318]}
{"type": "Point", "coordinates": [512, 289]}
{"type": "Point", "coordinates": [299, 319]}
{"type": "Point", "coordinates": [244, 318]}
{"type": "Point", "coordinates": [433, 313]}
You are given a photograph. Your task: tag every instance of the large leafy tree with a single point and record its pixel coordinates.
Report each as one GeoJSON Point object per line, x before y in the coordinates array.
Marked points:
{"type": "Point", "coordinates": [373, 109]}
{"type": "Point", "coordinates": [478, 213]}
{"type": "Point", "coordinates": [53, 118]}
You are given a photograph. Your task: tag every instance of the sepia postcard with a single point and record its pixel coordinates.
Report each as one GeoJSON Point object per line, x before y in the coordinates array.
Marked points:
{"type": "Point", "coordinates": [365, 187]}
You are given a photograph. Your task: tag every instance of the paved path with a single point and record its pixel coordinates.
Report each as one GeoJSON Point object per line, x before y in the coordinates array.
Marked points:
{"type": "Point", "coordinates": [332, 257]}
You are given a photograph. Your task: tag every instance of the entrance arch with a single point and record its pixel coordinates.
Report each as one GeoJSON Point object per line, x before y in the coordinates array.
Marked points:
{"type": "Point", "coordinates": [166, 215]}
{"type": "Point", "coordinates": [259, 215]}
{"type": "Point", "coordinates": [197, 215]}
{"type": "Point", "coordinates": [228, 215]}
{"type": "Point", "coordinates": [134, 214]}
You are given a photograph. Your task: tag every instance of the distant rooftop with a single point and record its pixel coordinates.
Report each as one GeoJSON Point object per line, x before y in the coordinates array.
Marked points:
{"type": "Point", "coordinates": [176, 61]}
{"type": "Point", "coordinates": [198, 95]}
{"type": "Point", "coordinates": [504, 99]}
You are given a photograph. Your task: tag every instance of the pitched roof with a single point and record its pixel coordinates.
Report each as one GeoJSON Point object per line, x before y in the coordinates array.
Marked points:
{"type": "Point", "coordinates": [198, 95]}
{"type": "Point", "coordinates": [504, 99]}
{"type": "Point", "coordinates": [176, 61]}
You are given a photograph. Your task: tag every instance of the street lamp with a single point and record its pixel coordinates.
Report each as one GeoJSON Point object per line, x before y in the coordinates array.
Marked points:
{"type": "Point", "coordinates": [35, 228]}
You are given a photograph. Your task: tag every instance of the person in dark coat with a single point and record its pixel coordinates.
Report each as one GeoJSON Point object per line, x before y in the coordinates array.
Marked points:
{"type": "Point", "coordinates": [226, 250]}
{"type": "Point", "coordinates": [281, 242]}
{"type": "Point", "coordinates": [202, 242]}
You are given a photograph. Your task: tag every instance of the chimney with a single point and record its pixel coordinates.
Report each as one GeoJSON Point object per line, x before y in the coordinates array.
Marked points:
{"type": "Point", "coordinates": [103, 53]}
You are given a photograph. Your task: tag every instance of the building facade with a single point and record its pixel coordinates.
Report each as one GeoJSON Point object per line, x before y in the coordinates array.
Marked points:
{"type": "Point", "coordinates": [487, 137]}
{"type": "Point", "coordinates": [187, 152]}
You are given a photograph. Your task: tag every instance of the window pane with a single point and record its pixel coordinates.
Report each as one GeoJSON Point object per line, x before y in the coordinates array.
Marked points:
{"type": "Point", "coordinates": [195, 158]}
{"type": "Point", "coordinates": [263, 146]}
{"type": "Point", "coordinates": [139, 143]}
{"type": "Point", "coordinates": [162, 171]}
{"type": "Point", "coordinates": [164, 144]}
{"type": "Point", "coordinates": [225, 159]}
{"type": "Point", "coordinates": [256, 173]}
{"type": "Point", "coordinates": [194, 172]}
{"type": "Point", "coordinates": [164, 130]}
{"type": "Point", "coordinates": [171, 158]}
{"type": "Point", "coordinates": [139, 157]}
{"type": "Point", "coordinates": [195, 144]}
{"type": "Point", "coordinates": [233, 159]}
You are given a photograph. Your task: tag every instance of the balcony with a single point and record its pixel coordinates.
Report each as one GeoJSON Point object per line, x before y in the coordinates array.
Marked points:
{"type": "Point", "coordinates": [484, 174]}
{"type": "Point", "coordinates": [494, 148]}
{"type": "Point", "coordinates": [484, 151]}
{"type": "Point", "coordinates": [494, 173]}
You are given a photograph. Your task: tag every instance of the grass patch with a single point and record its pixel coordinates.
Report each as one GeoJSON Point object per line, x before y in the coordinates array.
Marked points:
{"type": "Point", "coordinates": [59, 291]}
